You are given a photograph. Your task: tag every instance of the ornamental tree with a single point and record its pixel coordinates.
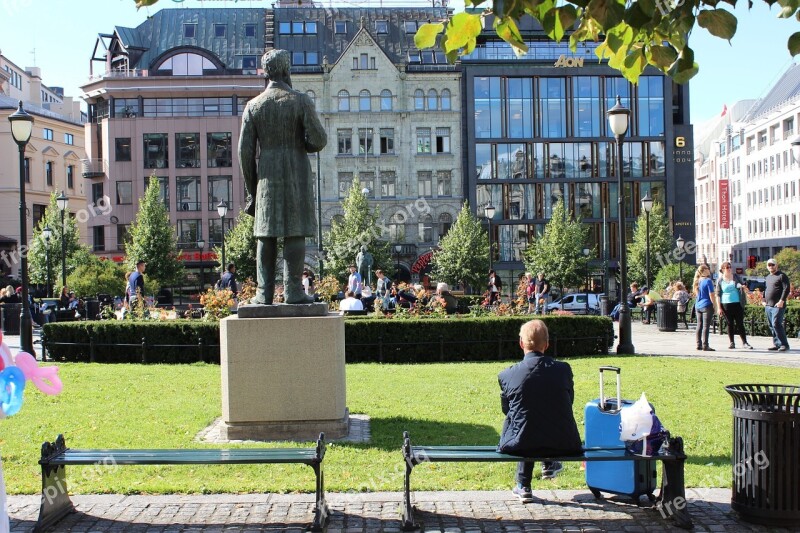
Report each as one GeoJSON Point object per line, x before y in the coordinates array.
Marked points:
{"type": "Point", "coordinates": [662, 245]}
{"type": "Point", "coordinates": [463, 254]}
{"type": "Point", "coordinates": [240, 247]}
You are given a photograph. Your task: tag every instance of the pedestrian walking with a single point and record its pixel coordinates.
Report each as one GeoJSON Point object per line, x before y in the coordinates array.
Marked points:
{"type": "Point", "coordinates": [775, 305]}
{"type": "Point", "coordinates": [731, 302]}
{"type": "Point", "coordinates": [703, 289]}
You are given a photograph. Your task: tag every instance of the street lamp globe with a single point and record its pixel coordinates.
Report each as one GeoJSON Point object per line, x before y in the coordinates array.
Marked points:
{"type": "Point", "coordinates": [201, 243]}
{"type": "Point", "coordinates": [47, 233]}
{"type": "Point", "coordinates": [489, 211]}
{"type": "Point", "coordinates": [62, 201]}
{"type": "Point", "coordinates": [647, 203]}
{"type": "Point", "coordinates": [365, 191]}
{"type": "Point", "coordinates": [586, 252]}
{"type": "Point", "coordinates": [398, 248]}
{"type": "Point", "coordinates": [681, 243]}
{"type": "Point", "coordinates": [222, 209]}
{"type": "Point", "coordinates": [618, 119]}
{"type": "Point", "coordinates": [21, 125]}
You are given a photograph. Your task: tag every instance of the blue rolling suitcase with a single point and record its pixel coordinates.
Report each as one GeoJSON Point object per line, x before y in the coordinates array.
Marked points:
{"type": "Point", "coordinates": [602, 419]}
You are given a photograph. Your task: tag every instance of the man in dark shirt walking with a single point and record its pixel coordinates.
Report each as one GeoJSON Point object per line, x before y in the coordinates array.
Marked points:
{"type": "Point", "coordinates": [536, 396]}
{"type": "Point", "coordinates": [228, 280]}
{"type": "Point", "coordinates": [775, 302]}
{"type": "Point", "coordinates": [136, 282]}
{"type": "Point", "coordinates": [541, 293]}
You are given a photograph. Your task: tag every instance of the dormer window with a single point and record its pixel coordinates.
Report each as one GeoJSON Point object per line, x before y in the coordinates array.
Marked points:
{"type": "Point", "coordinates": [381, 26]}
{"type": "Point", "coordinates": [220, 30]}
{"type": "Point", "coordinates": [249, 65]}
{"type": "Point", "coordinates": [249, 30]}
{"type": "Point", "coordinates": [340, 26]}
{"type": "Point", "coordinates": [189, 31]}
{"type": "Point", "coordinates": [186, 64]}
{"type": "Point", "coordinates": [410, 26]}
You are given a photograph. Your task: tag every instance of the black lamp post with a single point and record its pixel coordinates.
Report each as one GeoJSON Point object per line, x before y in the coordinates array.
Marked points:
{"type": "Point", "coordinates": [47, 233]}
{"type": "Point", "coordinates": [201, 244]}
{"type": "Point", "coordinates": [21, 129]}
{"type": "Point", "coordinates": [63, 203]}
{"type": "Point", "coordinates": [397, 249]}
{"type": "Point", "coordinates": [488, 211]}
{"type": "Point", "coordinates": [222, 210]}
{"type": "Point", "coordinates": [618, 124]}
{"type": "Point", "coordinates": [681, 245]}
{"type": "Point", "coordinates": [586, 252]}
{"type": "Point", "coordinates": [647, 205]}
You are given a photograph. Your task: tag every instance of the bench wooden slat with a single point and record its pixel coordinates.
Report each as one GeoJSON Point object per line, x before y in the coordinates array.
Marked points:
{"type": "Point", "coordinates": [184, 456]}
{"type": "Point", "coordinates": [490, 454]}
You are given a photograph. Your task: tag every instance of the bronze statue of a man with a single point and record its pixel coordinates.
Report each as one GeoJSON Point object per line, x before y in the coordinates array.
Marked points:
{"type": "Point", "coordinates": [283, 124]}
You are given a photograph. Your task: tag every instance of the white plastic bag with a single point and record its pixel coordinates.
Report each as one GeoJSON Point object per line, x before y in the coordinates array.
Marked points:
{"type": "Point", "coordinates": [636, 421]}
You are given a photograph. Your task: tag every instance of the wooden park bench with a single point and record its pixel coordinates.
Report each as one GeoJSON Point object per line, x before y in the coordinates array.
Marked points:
{"type": "Point", "coordinates": [671, 501]}
{"type": "Point", "coordinates": [56, 456]}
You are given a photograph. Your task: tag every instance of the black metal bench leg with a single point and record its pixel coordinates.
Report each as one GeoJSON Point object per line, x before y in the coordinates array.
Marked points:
{"type": "Point", "coordinates": [671, 501]}
{"type": "Point", "coordinates": [55, 497]}
{"type": "Point", "coordinates": [321, 511]}
{"type": "Point", "coordinates": [408, 508]}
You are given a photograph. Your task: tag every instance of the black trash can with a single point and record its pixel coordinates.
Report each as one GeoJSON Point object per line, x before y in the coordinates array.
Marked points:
{"type": "Point", "coordinates": [766, 453]}
{"type": "Point", "coordinates": [10, 316]}
{"type": "Point", "coordinates": [667, 315]}
{"type": "Point", "coordinates": [92, 309]}
{"type": "Point", "coordinates": [604, 310]}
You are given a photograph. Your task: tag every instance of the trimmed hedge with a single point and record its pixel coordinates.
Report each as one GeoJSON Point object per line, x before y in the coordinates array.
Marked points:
{"type": "Point", "coordinates": [366, 339]}
{"type": "Point", "coordinates": [120, 341]}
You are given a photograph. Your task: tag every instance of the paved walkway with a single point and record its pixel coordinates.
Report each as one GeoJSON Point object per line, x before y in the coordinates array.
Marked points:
{"type": "Point", "coordinates": [495, 511]}
{"type": "Point", "coordinates": [472, 511]}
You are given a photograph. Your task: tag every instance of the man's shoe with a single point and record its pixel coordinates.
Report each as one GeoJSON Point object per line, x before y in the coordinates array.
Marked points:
{"type": "Point", "coordinates": [731, 346]}
{"type": "Point", "coordinates": [783, 349]}
{"type": "Point", "coordinates": [550, 471]}
{"type": "Point", "coordinates": [745, 345]}
{"type": "Point", "coordinates": [708, 349]}
{"type": "Point", "coordinates": [523, 493]}
{"type": "Point", "coordinates": [773, 348]}
{"type": "Point", "coordinates": [699, 347]}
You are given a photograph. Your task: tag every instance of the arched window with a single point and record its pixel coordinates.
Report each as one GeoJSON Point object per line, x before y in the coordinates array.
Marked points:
{"type": "Point", "coordinates": [186, 64]}
{"type": "Point", "coordinates": [425, 228]}
{"type": "Point", "coordinates": [445, 221]}
{"type": "Point", "coordinates": [419, 100]}
{"type": "Point", "coordinates": [432, 99]}
{"type": "Point", "coordinates": [446, 100]}
{"type": "Point", "coordinates": [344, 101]}
{"type": "Point", "coordinates": [397, 228]}
{"type": "Point", "coordinates": [364, 101]}
{"type": "Point", "coordinates": [386, 100]}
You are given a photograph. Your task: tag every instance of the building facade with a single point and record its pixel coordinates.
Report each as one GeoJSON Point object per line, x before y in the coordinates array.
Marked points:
{"type": "Point", "coordinates": [51, 161]}
{"type": "Point", "coordinates": [393, 117]}
{"type": "Point", "coordinates": [166, 100]}
{"type": "Point", "coordinates": [536, 133]}
{"type": "Point", "coordinates": [748, 186]}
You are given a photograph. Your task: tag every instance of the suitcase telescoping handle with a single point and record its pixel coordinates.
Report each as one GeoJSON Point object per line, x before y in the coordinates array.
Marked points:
{"type": "Point", "coordinates": [602, 389]}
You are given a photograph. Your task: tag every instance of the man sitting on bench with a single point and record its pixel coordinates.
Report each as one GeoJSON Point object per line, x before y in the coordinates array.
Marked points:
{"type": "Point", "coordinates": [536, 397]}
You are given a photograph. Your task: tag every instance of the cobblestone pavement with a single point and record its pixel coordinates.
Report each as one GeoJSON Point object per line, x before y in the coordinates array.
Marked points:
{"type": "Point", "coordinates": [451, 512]}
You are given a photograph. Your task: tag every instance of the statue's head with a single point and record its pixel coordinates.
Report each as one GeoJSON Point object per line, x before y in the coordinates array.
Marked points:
{"type": "Point", "coordinates": [363, 247]}
{"type": "Point", "coordinates": [276, 64]}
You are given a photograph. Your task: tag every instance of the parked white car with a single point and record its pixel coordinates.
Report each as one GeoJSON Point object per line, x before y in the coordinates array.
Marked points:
{"type": "Point", "coordinates": [576, 303]}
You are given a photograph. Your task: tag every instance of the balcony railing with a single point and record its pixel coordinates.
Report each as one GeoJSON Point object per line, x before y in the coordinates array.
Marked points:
{"type": "Point", "coordinates": [93, 168]}
{"type": "Point", "coordinates": [131, 73]}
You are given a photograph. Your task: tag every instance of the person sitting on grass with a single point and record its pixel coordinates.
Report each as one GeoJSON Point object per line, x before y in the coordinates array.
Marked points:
{"type": "Point", "coordinates": [536, 396]}
{"type": "Point", "coordinates": [444, 299]}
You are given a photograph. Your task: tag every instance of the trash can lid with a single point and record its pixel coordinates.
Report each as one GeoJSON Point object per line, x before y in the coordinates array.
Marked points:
{"type": "Point", "coordinates": [765, 397]}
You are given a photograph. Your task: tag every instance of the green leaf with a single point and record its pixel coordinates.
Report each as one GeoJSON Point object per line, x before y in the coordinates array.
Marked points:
{"type": "Point", "coordinates": [426, 35]}
{"type": "Point", "coordinates": [794, 44]}
{"type": "Point", "coordinates": [567, 15]}
{"type": "Point", "coordinates": [634, 64]}
{"type": "Point", "coordinates": [648, 7]}
{"type": "Point", "coordinates": [144, 3]}
{"type": "Point", "coordinates": [507, 30]}
{"type": "Point", "coordinates": [636, 17]}
{"type": "Point", "coordinates": [718, 22]}
{"type": "Point", "coordinates": [685, 67]}
{"type": "Point", "coordinates": [663, 56]}
{"type": "Point", "coordinates": [552, 25]}
{"type": "Point", "coordinates": [608, 13]}
{"type": "Point", "coordinates": [462, 32]}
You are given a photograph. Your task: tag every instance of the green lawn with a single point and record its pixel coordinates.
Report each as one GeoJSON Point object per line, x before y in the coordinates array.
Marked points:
{"type": "Point", "coordinates": [134, 406]}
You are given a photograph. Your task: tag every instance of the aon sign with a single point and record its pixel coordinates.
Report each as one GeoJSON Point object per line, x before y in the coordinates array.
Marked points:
{"type": "Point", "coordinates": [564, 61]}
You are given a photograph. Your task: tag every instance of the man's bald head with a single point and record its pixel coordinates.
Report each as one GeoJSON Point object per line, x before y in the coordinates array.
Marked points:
{"type": "Point", "coordinates": [533, 336]}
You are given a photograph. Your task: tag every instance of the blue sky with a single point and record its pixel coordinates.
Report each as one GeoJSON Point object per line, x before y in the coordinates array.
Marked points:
{"type": "Point", "coordinates": [63, 32]}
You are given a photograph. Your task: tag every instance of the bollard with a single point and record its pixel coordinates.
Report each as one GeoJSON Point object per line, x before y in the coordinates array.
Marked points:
{"type": "Point", "coordinates": [200, 359]}
{"type": "Point", "coordinates": [92, 358]}
{"type": "Point", "coordinates": [144, 351]}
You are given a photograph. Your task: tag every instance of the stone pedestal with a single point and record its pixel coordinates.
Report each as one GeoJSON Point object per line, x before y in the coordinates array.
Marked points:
{"type": "Point", "coordinates": [283, 378]}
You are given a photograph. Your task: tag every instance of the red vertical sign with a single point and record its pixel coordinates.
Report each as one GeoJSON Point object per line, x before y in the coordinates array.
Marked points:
{"type": "Point", "coordinates": [724, 205]}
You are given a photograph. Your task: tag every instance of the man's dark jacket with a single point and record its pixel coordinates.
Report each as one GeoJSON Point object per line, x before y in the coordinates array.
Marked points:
{"type": "Point", "coordinates": [536, 397]}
